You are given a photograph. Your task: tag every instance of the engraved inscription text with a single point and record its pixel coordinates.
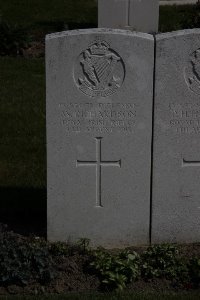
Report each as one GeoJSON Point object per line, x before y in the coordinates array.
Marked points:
{"type": "Point", "coordinates": [98, 117]}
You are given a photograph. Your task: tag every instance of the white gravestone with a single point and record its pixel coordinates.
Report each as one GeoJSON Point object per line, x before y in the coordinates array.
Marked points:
{"type": "Point", "coordinates": [99, 116]}
{"type": "Point", "coordinates": [137, 15]}
{"type": "Point", "coordinates": [113, 14]}
{"type": "Point", "coordinates": [176, 164]}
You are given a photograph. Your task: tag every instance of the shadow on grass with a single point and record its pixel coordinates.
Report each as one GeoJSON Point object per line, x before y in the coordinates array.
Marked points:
{"type": "Point", "coordinates": [24, 210]}
{"type": "Point", "coordinates": [62, 25]}
{"type": "Point", "coordinates": [38, 30]}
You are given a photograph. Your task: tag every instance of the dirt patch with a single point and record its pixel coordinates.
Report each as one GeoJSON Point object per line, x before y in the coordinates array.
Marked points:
{"type": "Point", "coordinates": [72, 274]}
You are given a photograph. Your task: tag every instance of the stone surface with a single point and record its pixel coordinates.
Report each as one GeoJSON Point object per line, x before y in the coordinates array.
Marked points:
{"type": "Point", "coordinates": [99, 127]}
{"type": "Point", "coordinates": [137, 15]}
{"type": "Point", "coordinates": [144, 15]}
{"type": "Point", "coordinates": [113, 13]}
{"type": "Point", "coordinates": [176, 165]}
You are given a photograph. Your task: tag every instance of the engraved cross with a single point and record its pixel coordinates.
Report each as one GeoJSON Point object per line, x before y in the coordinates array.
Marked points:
{"type": "Point", "coordinates": [190, 163]}
{"type": "Point", "coordinates": [98, 163]}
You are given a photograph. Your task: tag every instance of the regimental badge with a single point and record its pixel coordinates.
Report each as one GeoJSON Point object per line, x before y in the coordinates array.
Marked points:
{"type": "Point", "coordinates": [192, 72]}
{"type": "Point", "coordinates": [99, 71]}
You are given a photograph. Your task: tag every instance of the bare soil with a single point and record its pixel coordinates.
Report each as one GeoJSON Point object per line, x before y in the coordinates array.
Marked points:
{"type": "Point", "coordinates": [72, 274]}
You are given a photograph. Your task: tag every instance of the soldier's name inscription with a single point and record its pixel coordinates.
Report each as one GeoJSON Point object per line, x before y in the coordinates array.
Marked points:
{"type": "Point", "coordinates": [98, 117]}
{"type": "Point", "coordinates": [185, 118]}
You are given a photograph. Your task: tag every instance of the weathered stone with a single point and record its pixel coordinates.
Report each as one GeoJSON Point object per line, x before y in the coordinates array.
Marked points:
{"type": "Point", "coordinates": [138, 15]}
{"type": "Point", "coordinates": [176, 164]}
{"type": "Point", "coordinates": [113, 13]}
{"type": "Point", "coordinates": [99, 111]}
{"type": "Point", "coordinates": [144, 15]}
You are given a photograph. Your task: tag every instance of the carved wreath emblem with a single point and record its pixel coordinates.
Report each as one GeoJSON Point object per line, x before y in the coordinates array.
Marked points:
{"type": "Point", "coordinates": [192, 72]}
{"type": "Point", "coordinates": [99, 71]}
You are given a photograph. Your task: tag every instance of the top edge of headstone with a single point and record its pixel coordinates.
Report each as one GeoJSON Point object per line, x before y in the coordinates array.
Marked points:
{"type": "Point", "coordinates": [178, 33]}
{"type": "Point", "coordinates": [98, 31]}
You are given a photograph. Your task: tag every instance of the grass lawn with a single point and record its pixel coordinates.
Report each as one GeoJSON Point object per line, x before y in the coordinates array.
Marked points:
{"type": "Point", "coordinates": [29, 12]}
{"type": "Point", "coordinates": [22, 123]}
{"type": "Point", "coordinates": [50, 15]}
{"type": "Point", "coordinates": [176, 17]}
{"type": "Point", "coordinates": [123, 296]}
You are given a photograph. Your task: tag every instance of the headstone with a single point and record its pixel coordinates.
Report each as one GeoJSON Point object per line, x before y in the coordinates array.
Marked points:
{"type": "Point", "coordinates": [113, 14]}
{"type": "Point", "coordinates": [144, 15]}
{"type": "Point", "coordinates": [99, 116]}
{"type": "Point", "coordinates": [137, 15]}
{"type": "Point", "coordinates": [176, 164]}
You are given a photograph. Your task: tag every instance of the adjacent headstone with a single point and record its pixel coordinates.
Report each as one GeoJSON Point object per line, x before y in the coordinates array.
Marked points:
{"type": "Point", "coordinates": [99, 127]}
{"type": "Point", "coordinates": [137, 15]}
{"type": "Point", "coordinates": [113, 14]}
{"type": "Point", "coordinates": [144, 15]}
{"type": "Point", "coordinates": [176, 163]}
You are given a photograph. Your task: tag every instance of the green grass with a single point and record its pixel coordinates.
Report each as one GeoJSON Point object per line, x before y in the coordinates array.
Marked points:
{"type": "Point", "coordinates": [50, 15]}
{"type": "Point", "coordinates": [177, 17]}
{"type": "Point", "coordinates": [123, 296]}
{"type": "Point", "coordinates": [22, 123]}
